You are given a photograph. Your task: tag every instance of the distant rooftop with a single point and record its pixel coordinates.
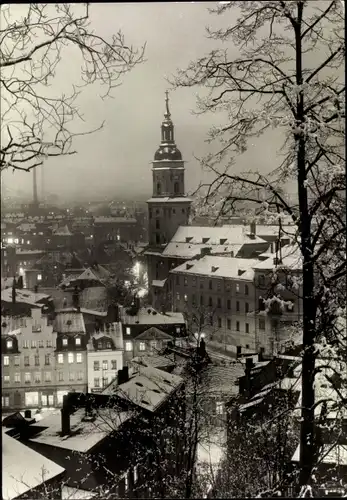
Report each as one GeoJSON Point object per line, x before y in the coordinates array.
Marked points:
{"type": "Point", "coordinates": [69, 322]}
{"type": "Point", "coordinates": [218, 267]}
{"type": "Point", "coordinates": [24, 296]}
{"type": "Point", "coordinates": [149, 316]}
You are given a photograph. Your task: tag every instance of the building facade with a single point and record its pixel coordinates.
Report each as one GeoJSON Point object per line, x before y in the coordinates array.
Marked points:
{"type": "Point", "coordinates": [28, 361]}
{"type": "Point", "coordinates": [104, 356]}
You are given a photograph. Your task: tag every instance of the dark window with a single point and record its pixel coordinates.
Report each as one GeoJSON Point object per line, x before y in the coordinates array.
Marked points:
{"type": "Point", "coordinates": [201, 300]}
{"type": "Point", "coordinates": [47, 359]}
{"type": "Point", "coordinates": [219, 322]}
{"type": "Point", "coordinates": [158, 188]}
{"type": "Point", "coordinates": [246, 290]}
{"type": "Point", "coordinates": [219, 302]}
{"type": "Point", "coordinates": [237, 326]}
{"type": "Point", "coordinates": [193, 300]}
{"type": "Point", "coordinates": [261, 324]}
{"type": "Point", "coordinates": [157, 224]}
{"type": "Point", "coordinates": [210, 301]}
{"type": "Point", "coordinates": [247, 328]}
{"type": "Point", "coordinates": [261, 305]}
{"type": "Point", "coordinates": [37, 360]}
{"type": "Point", "coordinates": [211, 319]}
{"type": "Point", "coordinates": [157, 238]}
{"type": "Point", "coordinates": [237, 305]}
{"type": "Point", "coordinates": [229, 304]}
{"type": "Point", "coordinates": [177, 279]}
{"type": "Point", "coordinates": [185, 281]}
{"type": "Point", "coordinates": [246, 307]}
{"type": "Point", "coordinates": [261, 280]}
{"type": "Point", "coordinates": [229, 324]}
{"type": "Point", "coordinates": [210, 285]}
{"type": "Point", "coordinates": [176, 188]}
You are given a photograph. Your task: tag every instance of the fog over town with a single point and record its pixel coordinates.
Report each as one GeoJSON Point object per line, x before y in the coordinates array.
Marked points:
{"type": "Point", "coordinates": [173, 250]}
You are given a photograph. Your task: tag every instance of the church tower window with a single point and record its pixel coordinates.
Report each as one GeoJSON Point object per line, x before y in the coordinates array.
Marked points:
{"type": "Point", "coordinates": [158, 188]}
{"type": "Point", "coordinates": [176, 188]}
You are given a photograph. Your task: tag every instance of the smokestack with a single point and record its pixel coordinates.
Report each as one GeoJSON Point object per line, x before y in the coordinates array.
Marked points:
{"type": "Point", "coordinates": [35, 198]}
{"type": "Point", "coordinates": [65, 417]}
{"type": "Point", "coordinates": [14, 290]}
{"type": "Point", "coordinates": [27, 414]}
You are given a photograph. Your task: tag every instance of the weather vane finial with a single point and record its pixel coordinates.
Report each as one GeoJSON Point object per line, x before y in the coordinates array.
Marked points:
{"type": "Point", "coordinates": [167, 114]}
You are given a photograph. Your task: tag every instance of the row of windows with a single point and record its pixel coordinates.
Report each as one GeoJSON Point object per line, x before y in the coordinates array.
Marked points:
{"type": "Point", "coordinates": [32, 399]}
{"type": "Point", "coordinates": [113, 365]}
{"type": "Point", "coordinates": [157, 212]}
{"type": "Point", "coordinates": [35, 343]}
{"type": "Point", "coordinates": [228, 284]}
{"type": "Point", "coordinates": [104, 382]}
{"type": "Point", "coordinates": [16, 360]}
{"type": "Point", "coordinates": [70, 357]}
{"type": "Point", "coordinates": [37, 377]}
{"type": "Point", "coordinates": [228, 323]}
{"type": "Point", "coordinates": [210, 302]}
{"type": "Point", "coordinates": [77, 341]}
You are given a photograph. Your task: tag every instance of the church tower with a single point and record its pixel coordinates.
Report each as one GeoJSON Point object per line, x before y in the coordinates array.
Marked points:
{"type": "Point", "coordinates": [168, 208]}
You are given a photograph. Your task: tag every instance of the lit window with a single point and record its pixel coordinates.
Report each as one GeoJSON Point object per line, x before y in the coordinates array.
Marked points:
{"type": "Point", "coordinates": [9, 344]}
{"type": "Point", "coordinates": [79, 375]}
{"type": "Point", "coordinates": [60, 395]}
{"type": "Point", "coordinates": [39, 277]}
{"type": "Point", "coordinates": [128, 346]}
{"type": "Point", "coordinates": [31, 399]}
{"type": "Point", "coordinates": [96, 366]}
{"type": "Point", "coordinates": [17, 378]}
{"type": "Point", "coordinates": [60, 359]}
{"type": "Point", "coordinates": [78, 340]}
{"type": "Point", "coordinates": [16, 361]}
{"type": "Point", "coordinates": [6, 360]}
{"type": "Point", "coordinates": [48, 376]}
{"type": "Point", "coordinates": [33, 344]}
{"type": "Point", "coordinates": [142, 346]}
{"type": "Point", "coordinates": [186, 298]}
{"type": "Point", "coordinates": [128, 330]}
{"type": "Point", "coordinates": [178, 329]}
{"type": "Point", "coordinates": [27, 377]}
{"type": "Point", "coordinates": [79, 357]}
{"type": "Point", "coordinates": [65, 342]}
{"type": "Point", "coordinates": [105, 365]}
{"type": "Point", "coordinates": [237, 288]}
{"type": "Point", "coordinates": [219, 408]}
{"type": "Point", "coordinates": [5, 400]}
{"type": "Point", "coordinates": [10, 240]}
{"type": "Point", "coordinates": [6, 379]}
{"type": "Point", "coordinates": [135, 474]}
{"type": "Point", "coordinates": [70, 357]}
{"type": "Point", "coordinates": [37, 377]}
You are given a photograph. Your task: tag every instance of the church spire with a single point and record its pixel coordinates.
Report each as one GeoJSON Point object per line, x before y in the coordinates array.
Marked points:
{"type": "Point", "coordinates": [167, 112]}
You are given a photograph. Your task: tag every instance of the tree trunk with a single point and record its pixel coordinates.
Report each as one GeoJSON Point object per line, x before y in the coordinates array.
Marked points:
{"type": "Point", "coordinates": [307, 445]}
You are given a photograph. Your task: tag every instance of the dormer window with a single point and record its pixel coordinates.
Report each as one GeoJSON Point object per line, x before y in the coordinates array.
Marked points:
{"type": "Point", "coordinates": [65, 341]}
{"type": "Point", "coordinates": [99, 345]}
{"type": "Point", "coordinates": [78, 340]}
{"type": "Point", "coordinates": [214, 269]}
{"type": "Point", "coordinates": [205, 240]}
{"type": "Point", "coordinates": [222, 241]}
{"type": "Point", "coordinates": [9, 344]}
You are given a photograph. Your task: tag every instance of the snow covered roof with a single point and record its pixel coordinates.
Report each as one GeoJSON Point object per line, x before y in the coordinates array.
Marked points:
{"type": "Point", "coordinates": [69, 322]}
{"type": "Point", "coordinates": [62, 231]}
{"type": "Point", "coordinates": [143, 317]}
{"type": "Point", "coordinates": [26, 226]}
{"type": "Point", "coordinates": [291, 259]}
{"type": "Point", "coordinates": [148, 387]}
{"type": "Point", "coordinates": [217, 235]}
{"type": "Point", "coordinates": [189, 250]}
{"type": "Point", "coordinates": [159, 283]}
{"type": "Point", "coordinates": [176, 199]}
{"type": "Point", "coordinates": [114, 220]}
{"type": "Point", "coordinates": [23, 468]}
{"type": "Point", "coordinates": [23, 296]}
{"type": "Point", "coordinates": [217, 267]}
{"type": "Point", "coordinates": [153, 333]}
{"type": "Point", "coordinates": [154, 360]}
{"type": "Point", "coordinates": [84, 435]}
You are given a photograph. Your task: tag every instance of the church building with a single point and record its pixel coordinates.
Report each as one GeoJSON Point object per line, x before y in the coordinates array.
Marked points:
{"type": "Point", "coordinates": [168, 208]}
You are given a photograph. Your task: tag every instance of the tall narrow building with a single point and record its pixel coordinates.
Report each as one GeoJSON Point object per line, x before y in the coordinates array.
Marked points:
{"type": "Point", "coordinates": [169, 207]}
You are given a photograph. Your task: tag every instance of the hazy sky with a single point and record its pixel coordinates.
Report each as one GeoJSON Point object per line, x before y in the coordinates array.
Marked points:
{"type": "Point", "coordinates": [117, 159]}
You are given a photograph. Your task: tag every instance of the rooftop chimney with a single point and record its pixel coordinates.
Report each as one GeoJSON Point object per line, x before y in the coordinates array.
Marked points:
{"type": "Point", "coordinates": [253, 228]}
{"type": "Point", "coordinates": [27, 414]}
{"type": "Point", "coordinates": [65, 417]}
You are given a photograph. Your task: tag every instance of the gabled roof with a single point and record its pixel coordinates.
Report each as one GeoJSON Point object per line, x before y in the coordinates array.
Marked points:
{"type": "Point", "coordinates": [148, 387]}
{"type": "Point", "coordinates": [24, 296]}
{"type": "Point", "coordinates": [69, 322]}
{"type": "Point", "coordinates": [23, 468]}
{"type": "Point", "coordinates": [218, 267]}
{"type": "Point", "coordinates": [214, 235]}
{"type": "Point", "coordinates": [62, 231]}
{"type": "Point", "coordinates": [154, 333]}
